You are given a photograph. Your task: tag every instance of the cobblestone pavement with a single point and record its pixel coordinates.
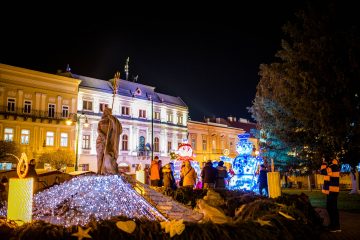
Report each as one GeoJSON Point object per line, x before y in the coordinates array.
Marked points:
{"type": "Point", "coordinates": [170, 208]}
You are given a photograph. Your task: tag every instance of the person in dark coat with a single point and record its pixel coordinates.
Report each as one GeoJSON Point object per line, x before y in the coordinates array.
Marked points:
{"type": "Point", "coordinates": [168, 177]}
{"type": "Point", "coordinates": [262, 180]}
{"type": "Point", "coordinates": [208, 175]}
{"type": "Point", "coordinates": [222, 174]}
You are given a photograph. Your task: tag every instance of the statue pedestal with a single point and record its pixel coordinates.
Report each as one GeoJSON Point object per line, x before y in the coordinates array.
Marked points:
{"type": "Point", "coordinates": [20, 200]}
{"type": "Point", "coordinates": [274, 187]}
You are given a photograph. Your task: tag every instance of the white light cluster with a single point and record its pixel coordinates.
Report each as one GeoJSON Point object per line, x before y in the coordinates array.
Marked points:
{"type": "Point", "coordinates": [84, 198]}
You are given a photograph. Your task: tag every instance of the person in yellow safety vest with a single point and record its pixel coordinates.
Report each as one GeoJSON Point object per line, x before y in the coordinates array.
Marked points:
{"type": "Point", "coordinates": [331, 189]}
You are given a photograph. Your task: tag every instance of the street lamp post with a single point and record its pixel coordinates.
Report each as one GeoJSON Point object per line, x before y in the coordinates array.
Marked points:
{"type": "Point", "coordinates": [152, 128]}
{"type": "Point", "coordinates": [75, 118]}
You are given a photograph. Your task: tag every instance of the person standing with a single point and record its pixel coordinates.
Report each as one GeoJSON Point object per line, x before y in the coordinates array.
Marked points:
{"type": "Point", "coordinates": [331, 189]}
{"type": "Point", "coordinates": [221, 175]}
{"type": "Point", "coordinates": [208, 175]}
{"type": "Point", "coordinates": [155, 172]}
{"type": "Point", "coordinates": [262, 180]}
{"type": "Point", "coordinates": [168, 177]}
{"type": "Point", "coordinates": [189, 175]}
{"type": "Point", "coordinates": [160, 173]}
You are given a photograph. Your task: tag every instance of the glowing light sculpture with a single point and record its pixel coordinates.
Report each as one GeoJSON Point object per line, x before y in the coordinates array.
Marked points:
{"type": "Point", "coordinates": [244, 166]}
{"type": "Point", "coordinates": [84, 198]}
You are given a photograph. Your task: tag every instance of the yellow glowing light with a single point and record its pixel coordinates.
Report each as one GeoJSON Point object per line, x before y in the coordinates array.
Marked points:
{"type": "Point", "coordinates": [20, 200]}
{"type": "Point", "coordinates": [140, 176]}
{"type": "Point", "coordinates": [274, 188]}
{"type": "Point", "coordinates": [69, 122]}
{"type": "Point", "coordinates": [22, 166]}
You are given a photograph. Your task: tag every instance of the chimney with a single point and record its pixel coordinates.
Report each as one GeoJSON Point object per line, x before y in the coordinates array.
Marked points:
{"type": "Point", "coordinates": [234, 119]}
{"type": "Point", "coordinates": [243, 120]}
{"type": "Point", "coordinates": [207, 120]}
{"type": "Point", "coordinates": [230, 118]}
{"type": "Point", "coordinates": [217, 120]}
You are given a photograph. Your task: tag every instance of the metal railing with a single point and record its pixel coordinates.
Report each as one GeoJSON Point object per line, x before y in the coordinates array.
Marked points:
{"type": "Point", "coordinates": [31, 113]}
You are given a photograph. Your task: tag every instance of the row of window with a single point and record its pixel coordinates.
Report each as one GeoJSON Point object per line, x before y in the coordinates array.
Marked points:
{"type": "Point", "coordinates": [124, 143]}
{"type": "Point", "coordinates": [11, 107]}
{"type": "Point", "coordinates": [25, 137]}
{"type": "Point", "coordinates": [88, 106]}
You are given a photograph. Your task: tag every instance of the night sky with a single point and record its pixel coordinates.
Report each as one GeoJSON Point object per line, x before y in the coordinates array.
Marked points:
{"type": "Point", "coordinates": [208, 57]}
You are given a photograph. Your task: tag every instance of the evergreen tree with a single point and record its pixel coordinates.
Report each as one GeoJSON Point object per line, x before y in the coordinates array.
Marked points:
{"type": "Point", "coordinates": [309, 99]}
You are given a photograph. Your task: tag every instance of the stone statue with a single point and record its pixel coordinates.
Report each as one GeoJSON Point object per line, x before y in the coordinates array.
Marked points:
{"type": "Point", "coordinates": [107, 143]}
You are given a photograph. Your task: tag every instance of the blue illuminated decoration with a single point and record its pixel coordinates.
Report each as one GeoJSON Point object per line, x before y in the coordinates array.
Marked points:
{"type": "Point", "coordinates": [245, 165]}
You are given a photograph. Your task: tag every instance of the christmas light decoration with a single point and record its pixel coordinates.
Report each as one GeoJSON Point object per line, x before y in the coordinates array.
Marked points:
{"type": "Point", "coordinates": [84, 198]}
{"type": "Point", "coordinates": [244, 165]}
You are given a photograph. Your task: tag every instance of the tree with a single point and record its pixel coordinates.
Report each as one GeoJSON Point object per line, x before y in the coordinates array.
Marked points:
{"type": "Point", "coordinates": [9, 147]}
{"type": "Point", "coordinates": [58, 159]}
{"type": "Point", "coordinates": [309, 98]}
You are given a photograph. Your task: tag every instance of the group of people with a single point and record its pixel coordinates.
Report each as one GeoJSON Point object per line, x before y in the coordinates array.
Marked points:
{"type": "Point", "coordinates": [162, 175]}
{"type": "Point", "coordinates": [214, 177]}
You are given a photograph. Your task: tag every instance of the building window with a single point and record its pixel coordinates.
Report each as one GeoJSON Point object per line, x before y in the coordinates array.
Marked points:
{"type": "Point", "coordinates": [25, 136]}
{"type": "Point", "coordinates": [170, 117]}
{"type": "Point", "coordinates": [8, 134]}
{"type": "Point", "coordinates": [157, 116]}
{"type": "Point", "coordinates": [193, 143]}
{"type": "Point", "coordinates": [11, 105]}
{"type": "Point", "coordinates": [169, 147]}
{"type": "Point", "coordinates": [87, 105]}
{"type": "Point", "coordinates": [27, 106]}
{"type": "Point", "coordinates": [64, 140]}
{"type": "Point", "coordinates": [125, 111]}
{"type": "Point", "coordinates": [142, 113]}
{"type": "Point", "coordinates": [102, 106]}
{"type": "Point", "coordinates": [86, 141]}
{"type": "Point", "coordinates": [141, 145]}
{"type": "Point", "coordinates": [51, 110]}
{"type": "Point", "coordinates": [180, 119]}
{"type": "Point", "coordinates": [213, 145]}
{"type": "Point", "coordinates": [204, 144]}
{"type": "Point", "coordinates": [124, 143]}
{"type": "Point", "coordinates": [65, 111]}
{"type": "Point", "coordinates": [156, 144]}
{"type": "Point", "coordinates": [49, 138]}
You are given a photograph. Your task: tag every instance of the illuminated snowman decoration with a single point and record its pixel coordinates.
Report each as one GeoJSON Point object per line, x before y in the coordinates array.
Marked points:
{"type": "Point", "coordinates": [244, 165]}
{"type": "Point", "coordinates": [185, 153]}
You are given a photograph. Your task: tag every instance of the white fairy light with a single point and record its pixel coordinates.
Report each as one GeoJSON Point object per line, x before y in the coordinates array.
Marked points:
{"type": "Point", "coordinates": [84, 198]}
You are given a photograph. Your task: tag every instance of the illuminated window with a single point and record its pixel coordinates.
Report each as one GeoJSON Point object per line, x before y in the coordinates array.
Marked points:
{"type": "Point", "coordinates": [11, 105]}
{"type": "Point", "coordinates": [51, 110]}
{"type": "Point", "coordinates": [86, 141]}
{"type": "Point", "coordinates": [180, 119]}
{"type": "Point", "coordinates": [169, 147]}
{"type": "Point", "coordinates": [65, 111]}
{"type": "Point", "coordinates": [102, 106]}
{"type": "Point", "coordinates": [64, 140]}
{"type": "Point", "coordinates": [204, 144]}
{"type": "Point", "coordinates": [25, 136]}
{"type": "Point", "coordinates": [8, 134]}
{"type": "Point", "coordinates": [87, 105]}
{"type": "Point", "coordinates": [125, 111]}
{"type": "Point", "coordinates": [156, 144]}
{"type": "Point", "coordinates": [169, 117]}
{"type": "Point", "coordinates": [124, 143]}
{"type": "Point", "coordinates": [157, 115]}
{"type": "Point", "coordinates": [49, 138]}
{"type": "Point", "coordinates": [27, 106]}
{"type": "Point", "coordinates": [193, 143]}
{"type": "Point", "coordinates": [142, 113]}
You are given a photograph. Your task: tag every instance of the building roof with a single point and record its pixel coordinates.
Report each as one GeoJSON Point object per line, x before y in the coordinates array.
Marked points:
{"type": "Point", "coordinates": [129, 89]}
{"type": "Point", "coordinates": [233, 122]}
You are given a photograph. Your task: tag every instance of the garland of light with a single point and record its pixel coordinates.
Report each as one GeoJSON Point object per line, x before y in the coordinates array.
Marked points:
{"type": "Point", "coordinates": [87, 198]}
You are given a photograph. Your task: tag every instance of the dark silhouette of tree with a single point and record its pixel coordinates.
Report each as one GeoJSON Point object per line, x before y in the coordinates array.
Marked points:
{"type": "Point", "coordinates": [7, 147]}
{"type": "Point", "coordinates": [309, 98]}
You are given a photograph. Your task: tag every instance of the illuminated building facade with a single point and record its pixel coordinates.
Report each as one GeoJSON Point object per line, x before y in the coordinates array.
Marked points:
{"type": "Point", "coordinates": [134, 105]}
{"type": "Point", "coordinates": [33, 109]}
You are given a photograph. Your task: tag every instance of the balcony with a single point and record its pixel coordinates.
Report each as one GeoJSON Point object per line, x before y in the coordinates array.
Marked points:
{"type": "Point", "coordinates": [33, 114]}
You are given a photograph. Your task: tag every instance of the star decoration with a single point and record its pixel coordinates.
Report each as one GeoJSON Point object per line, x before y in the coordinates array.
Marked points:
{"type": "Point", "coordinates": [263, 222]}
{"type": "Point", "coordinates": [82, 233]}
{"type": "Point", "coordinates": [286, 215]}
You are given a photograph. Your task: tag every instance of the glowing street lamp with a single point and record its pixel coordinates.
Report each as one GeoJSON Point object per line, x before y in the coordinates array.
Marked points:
{"type": "Point", "coordinates": [75, 118]}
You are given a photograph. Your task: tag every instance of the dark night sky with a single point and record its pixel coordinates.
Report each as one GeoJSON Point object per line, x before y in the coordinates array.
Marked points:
{"type": "Point", "coordinates": [208, 57]}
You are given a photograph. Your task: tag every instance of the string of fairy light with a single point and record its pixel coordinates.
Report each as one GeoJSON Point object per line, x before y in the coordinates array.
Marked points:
{"type": "Point", "coordinates": [87, 198]}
